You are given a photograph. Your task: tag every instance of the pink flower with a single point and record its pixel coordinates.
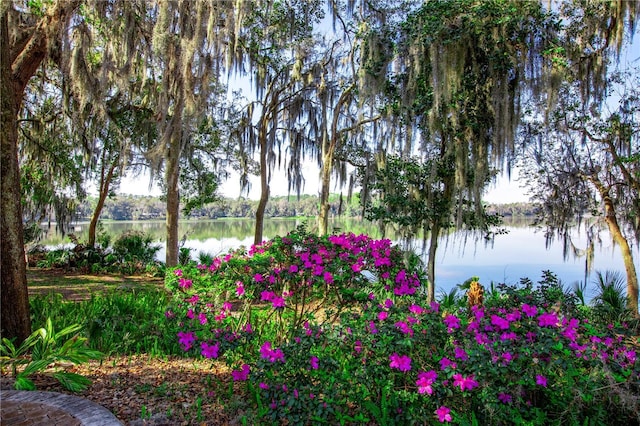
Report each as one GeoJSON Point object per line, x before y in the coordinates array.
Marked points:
{"type": "Point", "coordinates": [210, 351]}
{"type": "Point", "coordinates": [401, 362]}
{"type": "Point", "coordinates": [425, 380]}
{"type": "Point", "coordinates": [444, 414]}
{"type": "Point", "coordinates": [239, 288]}
{"type": "Point", "coordinates": [202, 317]}
{"type": "Point", "coordinates": [242, 374]}
{"type": "Point", "coordinates": [185, 283]}
{"type": "Point", "coordinates": [404, 328]}
{"type": "Point", "coordinates": [328, 278]}
{"type": "Point", "coordinates": [383, 315]}
{"type": "Point", "coordinates": [465, 383]}
{"type": "Point", "coordinates": [541, 380]}
{"type": "Point", "coordinates": [258, 278]}
{"type": "Point", "coordinates": [293, 268]}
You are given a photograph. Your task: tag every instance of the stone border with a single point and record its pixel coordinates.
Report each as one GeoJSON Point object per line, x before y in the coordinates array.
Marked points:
{"type": "Point", "coordinates": [87, 412]}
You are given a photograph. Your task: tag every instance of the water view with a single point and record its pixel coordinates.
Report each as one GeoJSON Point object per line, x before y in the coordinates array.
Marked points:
{"type": "Point", "coordinates": [521, 252]}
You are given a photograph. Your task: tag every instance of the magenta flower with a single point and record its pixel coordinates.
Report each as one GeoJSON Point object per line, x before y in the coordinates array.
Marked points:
{"type": "Point", "coordinates": [267, 296]}
{"type": "Point", "coordinates": [425, 380]}
{"type": "Point", "coordinates": [452, 322]}
{"type": "Point", "coordinates": [383, 315]}
{"type": "Point", "coordinates": [404, 328]}
{"type": "Point", "coordinates": [465, 383]}
{"type": "Point", "coordinates": [460, 353]}
{"type": "Point", "coordinates": [444, 414]}
{"type": "Point", "coordinates": [446, 362]}
{"type": "Point", "coordinates": [186, 339]}
{"type": "Point", "coordinates": [272, 355]}
{"type": "Point", "coordinates": [416, 309]}
{"type": "Point", "coordinates": [210, 351]}
{"type": "Point", "coordinates": [277, 302]}
{"type": "Point", "coordinates": [400, 362]}
{"type": "Point", "coordinates": [178, 272]}
{"type": "Point", "coordinates": [541, 380]}
{"type": "Point", "coordinates": [314, 361]}
{"type": "Point", "coordinates": [258, 278]}
{"type": "Point", "coordinates": [242, 374]}
{"type": "Point", "coordinates": [499, 322]}
{"type": "Point", "coordinates": [239, 288]}
{"type": "Point", "coordinates": [328, 277]}
{"type": "Point", "coordinates": [548, 319]}
{"type": "Point", "coordinates": [505, 398]}
{"type": "Point", "coordinates": [185, 283]}
{"type": "Point", "coordinates": [530, 311]}
{"type": "Point", "coordinates": [293, 268]}
{"type": "Point", "coordinates": [202, 317]}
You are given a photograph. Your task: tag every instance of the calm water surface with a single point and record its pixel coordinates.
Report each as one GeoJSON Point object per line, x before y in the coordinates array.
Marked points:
{"type": "Point", "coordinates": [521, 252]}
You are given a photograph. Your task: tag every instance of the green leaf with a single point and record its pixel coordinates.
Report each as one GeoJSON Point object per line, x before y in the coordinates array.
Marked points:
{"type": "Point", "coordinates": [35, 366]}
{"type": "Point", "coordinates": [23, 383]}
{"type": "Point", "coordinates": [72, 381]}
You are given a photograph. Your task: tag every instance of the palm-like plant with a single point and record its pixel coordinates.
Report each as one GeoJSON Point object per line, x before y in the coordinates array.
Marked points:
{"type": "Point", "coordinates": [610, 300]}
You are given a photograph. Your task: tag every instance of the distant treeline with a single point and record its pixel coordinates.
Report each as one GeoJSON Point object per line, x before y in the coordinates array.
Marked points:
{"type": "Point", "coordinates": [132, 207]}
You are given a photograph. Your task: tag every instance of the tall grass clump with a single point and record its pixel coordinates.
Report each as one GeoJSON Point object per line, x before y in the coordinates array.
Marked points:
{"type": "Point", "coordinates": [116, 322]}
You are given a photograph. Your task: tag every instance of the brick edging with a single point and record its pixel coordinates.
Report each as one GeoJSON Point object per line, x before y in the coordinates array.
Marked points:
{"type": "Point", "coordinates": [87, 412]}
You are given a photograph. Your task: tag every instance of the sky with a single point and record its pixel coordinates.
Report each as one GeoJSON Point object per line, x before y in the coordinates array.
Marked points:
{"type": "Point", "coordinates": [503, 190]}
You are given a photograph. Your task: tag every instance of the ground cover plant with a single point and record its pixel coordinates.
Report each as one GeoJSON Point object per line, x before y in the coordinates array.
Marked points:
{"type": "Point", "coordinates": [336, 330]}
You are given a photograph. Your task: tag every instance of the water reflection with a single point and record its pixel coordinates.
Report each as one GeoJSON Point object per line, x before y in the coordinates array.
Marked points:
{"type": "Point", "coordinates": [520, 253]}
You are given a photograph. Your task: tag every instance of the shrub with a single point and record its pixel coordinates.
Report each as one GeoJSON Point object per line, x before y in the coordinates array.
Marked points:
{"type": "Point", "coordinates": [376, 352]}
{"type": "Point", "coordinates": [135, 246]}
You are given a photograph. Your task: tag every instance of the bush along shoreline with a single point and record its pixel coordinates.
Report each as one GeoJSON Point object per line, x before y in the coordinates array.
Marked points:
{"type": "Point", "coordinates": [336, 329]}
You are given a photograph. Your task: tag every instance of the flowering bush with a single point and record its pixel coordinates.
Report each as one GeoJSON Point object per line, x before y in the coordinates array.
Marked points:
{"type": "Point", "coordinates": [385, 356]}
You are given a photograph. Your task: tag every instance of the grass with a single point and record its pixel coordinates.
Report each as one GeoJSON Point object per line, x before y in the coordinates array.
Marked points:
{"type": "Point", "coordinates": [79, 286]}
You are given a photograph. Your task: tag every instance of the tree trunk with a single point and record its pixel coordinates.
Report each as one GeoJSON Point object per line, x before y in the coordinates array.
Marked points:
{"type": "Point", "coordinates": [14, 294]}
{"type": "Point", "coordinates": [264, 189]}
{"type": "Point", "coordinates": [431, 263]}
{"type": "Point", "coordinates": [627, 256]}
{"type": "Point", "coordinates": [102, 196]}
{"type": "Point", "coordinates": [173, 201]}
{"type": "Point", "coordinates": [325, 183]}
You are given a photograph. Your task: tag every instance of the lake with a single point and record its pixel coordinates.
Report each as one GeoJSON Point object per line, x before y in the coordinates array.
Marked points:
{"type": "Point", "coordinates": [521, 252]}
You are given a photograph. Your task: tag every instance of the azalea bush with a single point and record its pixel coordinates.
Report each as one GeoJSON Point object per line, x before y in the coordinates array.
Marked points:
{"type": "Point", "coordinates": [360, 344]}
